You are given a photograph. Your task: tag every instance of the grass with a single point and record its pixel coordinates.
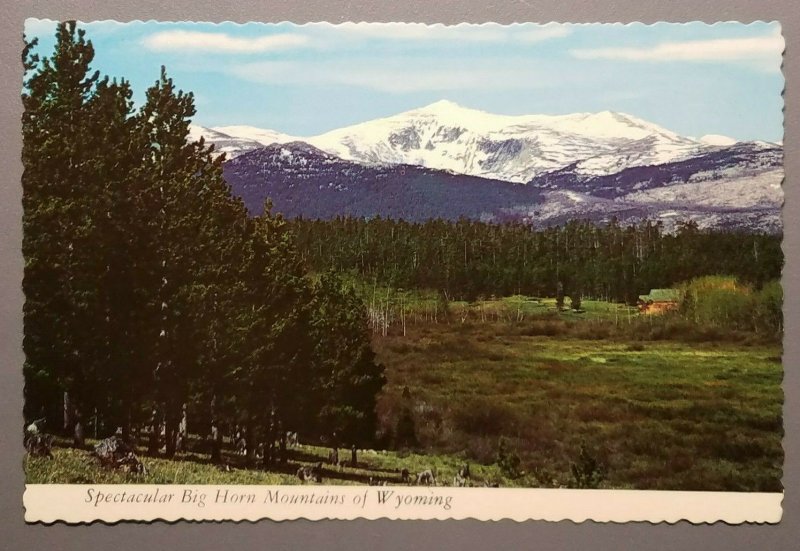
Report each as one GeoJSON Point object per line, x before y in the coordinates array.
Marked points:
{"type": "Point", "coordinates": [658, 402]}
{"type": "Point", "coordinates": [74, 466]}
{"type": "Point", "coordinates": [657, 415]}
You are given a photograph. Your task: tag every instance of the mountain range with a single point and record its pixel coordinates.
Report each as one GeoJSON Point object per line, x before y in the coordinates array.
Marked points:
{"type": "Point", "coordinates": [448, 161]}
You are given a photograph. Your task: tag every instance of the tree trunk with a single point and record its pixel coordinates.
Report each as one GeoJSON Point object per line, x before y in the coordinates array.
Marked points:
{"type": "Point", "coordinates": [69, 421]}
{"type": "Point", "coordinates": [216, 444]}
{"type": "Point", "coordinates": [171, 430]}
{"type": "Point", "coordinates": [283, 454]}
{"type": "Point", "coordinates": [126, 424]}
{"type": "Point", "coordinates": [155, 432]}
{"type": "Point", "coordinates": [251, 440]}
{"type": "Point", "coordinates": [183, 430]}
{"type": "Point", "coordinates": [216, 433]}
{"type": "Point", "coordinates": [94, 423]}
{"type": "Point", "coordinates": [78, 436]}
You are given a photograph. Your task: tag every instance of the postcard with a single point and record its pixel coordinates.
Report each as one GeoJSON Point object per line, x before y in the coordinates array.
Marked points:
{"type": "Point", "coordinates": [405, 271]}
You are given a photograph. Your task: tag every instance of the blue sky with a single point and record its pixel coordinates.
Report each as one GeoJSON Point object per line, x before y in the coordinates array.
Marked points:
{"type": "Point", "coordinates": [303, 80]}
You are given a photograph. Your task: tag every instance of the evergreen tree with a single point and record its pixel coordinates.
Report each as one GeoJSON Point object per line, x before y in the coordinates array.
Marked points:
{"type": "Point", "coordinates": [67, 110]}
{"type": "Point", "coordinates": [274, 319]}
{"type": "Point", "coordinates": [347, 377]}
{"type": "Point", "coordinates": [182, 177]}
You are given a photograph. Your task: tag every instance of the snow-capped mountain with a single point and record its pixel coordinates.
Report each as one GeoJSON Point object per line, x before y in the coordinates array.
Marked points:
{"type": "Point", "coordinates": [235, 140]}
{"type": "Point", "coordinates": [302, 180]}
{"type": "Point", "coordinates": [223, 143]}
{"type": "Point", "coordinates": [447, 161]}
{"type": "Point", "coordinates": [447, 136]}
{"type": "Point", "coordinates": [737, 188]}
{"type": "Point", "coordinates": [260, 135]}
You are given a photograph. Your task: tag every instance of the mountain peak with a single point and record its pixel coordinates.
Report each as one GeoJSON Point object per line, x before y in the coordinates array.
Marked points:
{"type": "Point", "coordinates": [717, 139]}
{"type": "Point", "coordinates": [440, 105]}
{"type": "Point", "coordinates": [445, 107]}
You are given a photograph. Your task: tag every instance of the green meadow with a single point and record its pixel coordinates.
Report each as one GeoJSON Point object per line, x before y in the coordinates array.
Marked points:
{"type": "Point", "coordinates": [537, 402]}
{"type": "Point", "coordinates": [655, 414]}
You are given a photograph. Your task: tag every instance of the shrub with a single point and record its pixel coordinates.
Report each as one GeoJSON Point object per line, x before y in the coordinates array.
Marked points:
{"type": "Point", "coordinates": [544, 328]}
{"type": "Point", "coordinates": [405, 434]}
{"type": "Point", "coordinates": [717, 300]}
{"type": "Point", "coordinates": [768, 313]}
{"type": "Point", "coordinates": [480, 449]}
{"type": "Point", "coordinates": [724, 303]}
{"type": "Point", "coordinates": [508, 461]}
{"type": "Point", "coordinates": [586, 471]}
{"type": "Point", "coordinates": [559, 296]}
{"type": "Point", "coordinates": [485, 417]}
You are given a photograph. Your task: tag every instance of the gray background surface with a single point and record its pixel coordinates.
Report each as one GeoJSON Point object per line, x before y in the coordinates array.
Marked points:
{"type": "Point", "coordinates": [384, 534]}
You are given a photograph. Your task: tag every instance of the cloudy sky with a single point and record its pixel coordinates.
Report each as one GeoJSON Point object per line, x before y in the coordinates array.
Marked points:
{"type": "Point", "coordinates": [692, 78]}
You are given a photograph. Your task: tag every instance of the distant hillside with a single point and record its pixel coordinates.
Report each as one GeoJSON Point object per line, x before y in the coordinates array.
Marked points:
{"type": "Point", "coordinates": [302, 180]}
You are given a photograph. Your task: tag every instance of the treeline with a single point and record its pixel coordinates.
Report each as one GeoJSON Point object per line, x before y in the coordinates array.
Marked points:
{"type": "Point", "coordinates": [468, 260]}
{"type": "Point", "coordinates": [150, 291]}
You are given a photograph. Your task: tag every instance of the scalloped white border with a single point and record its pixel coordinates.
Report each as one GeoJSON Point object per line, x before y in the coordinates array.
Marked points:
{"type": "Point", "coordinates": [69, 503]}
{"type": "Point", "coordinates": [77, 503]}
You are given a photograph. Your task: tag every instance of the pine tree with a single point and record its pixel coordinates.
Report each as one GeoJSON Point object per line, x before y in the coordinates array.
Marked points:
{"type": "Point", "coordinates": [66, 108]}
{"type": "Point", "coordinates": [182, 176]}
{"type": "Point", "coordinates": [347, 377]}
{"type": "Point", "coordinates": [273, 319]}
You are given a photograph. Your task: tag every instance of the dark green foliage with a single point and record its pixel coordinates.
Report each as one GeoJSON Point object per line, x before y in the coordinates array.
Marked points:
{"type": "Point", "coordinates": [587, 473]}
{"type": "Point", "coordinates": [508, 460]}
{"type": "Point", "coordinates": [149, 288]}
{"type": "Point", "coordinates": [725, 303]}
{"type": "Point", "coordinates": [559, 296]}
{"type": "Point", "coordinates": [405, 435]}
{"type": "Point", "coordinates": [468, 259]}
{"type": "Point", "coordinates": [346, 374]}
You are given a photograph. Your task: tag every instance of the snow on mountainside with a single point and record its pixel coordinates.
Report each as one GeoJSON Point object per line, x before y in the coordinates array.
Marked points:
{"type": "Point", "coordinates": [732, 190]}
{"type": "Point", "coordinates": [260, 135]}
{"type": "Point", "coordinates": [446, 161]}
{"type": "Point", "coordinates": [235, 140]}
{"type": "Point", "coordinates": [447, 136]}
{"type": "Point", "coordinates": [223, 143]}
{"type": "Point", "coordinates": [744, 191]}
{"type": "Point", "coordinates": [515, 148]}
{"type": "Point", "coordinates": [559, 207]}
{"type": "Point", "coordinates": [716, 139]}
{"type": "Point", "coordinates": [302, 180]}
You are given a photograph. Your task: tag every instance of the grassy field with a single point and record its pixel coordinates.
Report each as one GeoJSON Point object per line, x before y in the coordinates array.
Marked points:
{"type": "Point", "coordinates": [654, 414]}
{"type": "Point", "coordinates": [410, 307]}
{"type": "Point", "coordinates": [73, 466]}
{"type": "Point", "coordinates": [654, 403]}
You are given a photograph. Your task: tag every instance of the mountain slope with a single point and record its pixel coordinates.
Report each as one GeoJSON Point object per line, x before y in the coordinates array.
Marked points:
{"type": "Point", "coordinates": [739, 160]}
{"type": "Point", "coordinates": [447, 136]}
{"type": "Point", "coordinates": [231, 146]}
{"type": "Point", "coordinates": [301, 180]}
{"type": "Point", "coordinates": [260, 135]}
{"type": "Point", "coordinates": [446, 161]}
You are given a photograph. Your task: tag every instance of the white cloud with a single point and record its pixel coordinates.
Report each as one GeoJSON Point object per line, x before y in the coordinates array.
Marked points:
{"type": "Point", "coordinates": [219, 42]}
{"type": "Point", "coordinates": [464, 32]}
{"type": "Point", "coordinates": [394, 77]}
{"type": "Point", "coordinates": [39, 27]}
{"type": "Point", "coordinates": [763, 48]}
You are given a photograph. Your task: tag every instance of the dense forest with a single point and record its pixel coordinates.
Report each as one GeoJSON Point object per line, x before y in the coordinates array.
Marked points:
{"type": "Point", "coordinates": [468, 260]}
{"type": "Point", "coordinates": [151, 294]}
